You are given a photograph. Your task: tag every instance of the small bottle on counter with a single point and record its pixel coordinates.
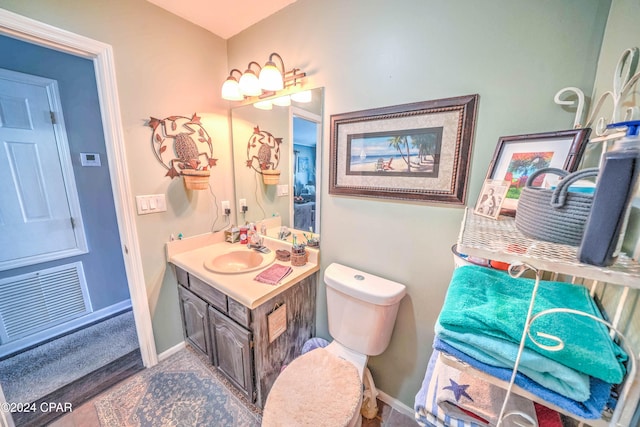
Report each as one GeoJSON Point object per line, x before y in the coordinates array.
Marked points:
{"type": "Point", "coordinates": [244, 234]}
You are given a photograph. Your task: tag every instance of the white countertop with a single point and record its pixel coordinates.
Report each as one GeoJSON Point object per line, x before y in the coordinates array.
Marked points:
{"type": "Point", "coordinates": [190, 255]}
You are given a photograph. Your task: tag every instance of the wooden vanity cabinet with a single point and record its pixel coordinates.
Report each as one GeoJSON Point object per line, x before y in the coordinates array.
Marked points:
{"type": "Point", "coordinates": [231, 344]}
{"type": "Point", "coordinates": [194, 320]}
{"type": "Point", "coordinates": [235, 338]}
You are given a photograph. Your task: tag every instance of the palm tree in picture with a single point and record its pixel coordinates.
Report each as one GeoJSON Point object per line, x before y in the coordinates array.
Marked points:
{"type": "Point", "coordinates": [400, 142]}
{"type": "Point", "coordinates": [426, 145]}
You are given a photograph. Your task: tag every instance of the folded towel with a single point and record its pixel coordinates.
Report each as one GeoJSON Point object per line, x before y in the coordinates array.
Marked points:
{"type": "Point", "coordinates": [592, 408]}
{"type": "Point", "coordinates": [452, 397]}
{"type": "Point", "coordinates": [274, 274]}
{"type": "Point", "coordinates": [492, 306]}
{"type": "Point", "coordinates": [546, 372]}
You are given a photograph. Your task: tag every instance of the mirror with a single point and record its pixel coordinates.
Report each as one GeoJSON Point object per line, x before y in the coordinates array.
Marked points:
{"type": "Point", "coordinates": [287, 139]}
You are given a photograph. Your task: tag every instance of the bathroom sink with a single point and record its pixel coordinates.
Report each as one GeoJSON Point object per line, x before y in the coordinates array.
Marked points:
{"type": "Point", "coordinates": [239, 261]}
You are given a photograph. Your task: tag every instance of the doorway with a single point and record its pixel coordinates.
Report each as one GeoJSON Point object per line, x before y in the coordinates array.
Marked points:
{"type": "Point", "coordinates": [307, 129]}
{"type": "Point", "coordinates": [101, 59]}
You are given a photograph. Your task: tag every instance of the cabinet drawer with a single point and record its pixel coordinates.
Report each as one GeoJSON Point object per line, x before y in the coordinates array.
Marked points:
{"type": "Point", "coordinates": [208, 293]}
{"type": "Point", "coordinates": [239, 313]}
{"type": "Point", "coordinates": [183, 277]}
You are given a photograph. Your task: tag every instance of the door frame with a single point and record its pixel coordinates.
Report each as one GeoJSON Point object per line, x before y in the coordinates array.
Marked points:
{"type": "Point", "coordinates": [101, 54]}
{"type": "Point", "coordinates": [317, 119]}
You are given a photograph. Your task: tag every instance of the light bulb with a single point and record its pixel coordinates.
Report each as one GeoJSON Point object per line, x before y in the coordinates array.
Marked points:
{"type": "Point", "coordinates": [271, 77]}
{"type": "Point", "coordinates": [263, 105]}
{"type": "Point", "coordinates": [283, 101]}
{"type": "Point", "coordinates": [303, 97]}
{"type": "Point", "coordinates": [249, 84]}
{"type": "Point", "coordinates": [231, 90]}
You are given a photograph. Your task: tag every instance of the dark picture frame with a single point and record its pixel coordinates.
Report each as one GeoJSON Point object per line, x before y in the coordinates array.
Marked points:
{"type": "Point", "coordinates": [418, 152]}
{"type": "Point", "coordinates": [517, 156]}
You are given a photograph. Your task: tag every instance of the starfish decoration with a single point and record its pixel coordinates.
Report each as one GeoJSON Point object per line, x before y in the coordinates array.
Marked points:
{"type": "Point", "coordinates": [458, 390]}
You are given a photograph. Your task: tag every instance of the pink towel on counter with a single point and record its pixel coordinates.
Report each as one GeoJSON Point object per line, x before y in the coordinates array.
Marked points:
{"type": "Point", "coordinates": [274, 274]}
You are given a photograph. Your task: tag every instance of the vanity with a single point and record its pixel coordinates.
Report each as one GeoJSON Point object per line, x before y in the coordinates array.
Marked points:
{"type": "Point", "coordinates": [247, 329]}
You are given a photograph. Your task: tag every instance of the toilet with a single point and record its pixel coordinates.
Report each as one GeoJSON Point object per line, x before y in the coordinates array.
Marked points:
{"type": "Point", "coordinates": [324, 386]}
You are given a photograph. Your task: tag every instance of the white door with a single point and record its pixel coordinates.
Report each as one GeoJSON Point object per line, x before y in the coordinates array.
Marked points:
{"type": "Point", "coordinates": [39, 210]}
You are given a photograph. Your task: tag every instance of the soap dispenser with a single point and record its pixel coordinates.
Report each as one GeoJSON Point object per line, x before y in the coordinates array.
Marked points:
{"type": "Point", "coordinates": [607, 221]}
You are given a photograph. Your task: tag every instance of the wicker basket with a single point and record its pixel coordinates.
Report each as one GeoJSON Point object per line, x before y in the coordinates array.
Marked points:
{"type": "Point", "coordinates": [299, 260]}
{"type": "Point", "coordinates": [196, 179]}
{"type": "Point", "coordinates": [557, 216]}
{"type": "Point", "coordinates": [270, 176]}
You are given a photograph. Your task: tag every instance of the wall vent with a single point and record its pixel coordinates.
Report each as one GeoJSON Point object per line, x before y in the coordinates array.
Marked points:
{"type": "Point", "coordinates": [33, 302]}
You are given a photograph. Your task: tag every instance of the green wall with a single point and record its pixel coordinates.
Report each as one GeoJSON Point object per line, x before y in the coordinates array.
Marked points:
{"type": "Point", "coordinates": [373, 53]}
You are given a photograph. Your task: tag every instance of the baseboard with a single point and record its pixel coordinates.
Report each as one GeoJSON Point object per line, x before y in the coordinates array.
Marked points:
{"type": "Point", "coordinates": [396, 404]}
{"type": "Point", "coordinates": [170, 352]}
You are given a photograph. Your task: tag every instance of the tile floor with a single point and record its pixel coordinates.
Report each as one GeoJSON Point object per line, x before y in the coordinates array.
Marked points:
{"type": "Point", "coordinates": [86, 416]}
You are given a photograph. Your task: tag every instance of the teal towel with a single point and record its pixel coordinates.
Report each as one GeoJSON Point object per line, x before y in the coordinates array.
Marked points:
{"type": "Point", "coordinates": [492, 306]}
{"type": "Point", "coordinates": [502, 354]}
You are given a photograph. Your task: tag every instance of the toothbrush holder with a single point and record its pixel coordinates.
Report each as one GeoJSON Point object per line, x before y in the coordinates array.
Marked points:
{"type": "Point", "coordinates": [299, 259]}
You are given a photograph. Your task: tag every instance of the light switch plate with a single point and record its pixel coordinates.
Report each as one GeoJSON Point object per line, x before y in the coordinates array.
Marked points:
{"type": "Point", "coordinates": [151, 203]}
{"type": "Point", "coordinates": [283, 190]}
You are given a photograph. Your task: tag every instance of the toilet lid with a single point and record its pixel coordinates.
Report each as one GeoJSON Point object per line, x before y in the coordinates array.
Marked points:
{"type": "Point", "coordinates": [316, 389]}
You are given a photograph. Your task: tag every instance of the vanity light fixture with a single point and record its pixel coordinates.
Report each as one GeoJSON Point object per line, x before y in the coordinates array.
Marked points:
{"type": "Point", "coordinates": [249, 83]}
{"type": "Point", "coordinates": [271, 78]}
{"type": "Point", "coordinates": [302, 97]}
{"type": "Point", "coordinates": [231, 88]}
{"type": "Point", "coordinates": [264, 105]}
{"type": "Point", "coordinates": [263, 82]}
{"type": "Point", "coordinates": [282, 101]}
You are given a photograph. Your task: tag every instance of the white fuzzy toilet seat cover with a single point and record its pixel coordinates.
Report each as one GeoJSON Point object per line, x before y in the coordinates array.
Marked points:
{"type": "Point", "coordinates": [316, 389]}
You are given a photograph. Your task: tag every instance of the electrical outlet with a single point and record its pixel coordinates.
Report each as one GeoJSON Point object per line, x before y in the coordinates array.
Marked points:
{"type": "Point", "coordinates": [226, 207]}
{"type": "Point", "coordinates": [243, 205]}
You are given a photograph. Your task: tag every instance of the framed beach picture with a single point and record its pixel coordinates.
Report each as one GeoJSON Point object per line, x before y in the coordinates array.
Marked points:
{"type": "Point", "coordinates": [516, 157]}
{"type": "Point", "coordinates": [416, 151]}
{"type": "Point", "coordinates": [491, 198]}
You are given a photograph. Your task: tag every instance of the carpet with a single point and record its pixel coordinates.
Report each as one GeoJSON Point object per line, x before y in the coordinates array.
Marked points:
{"type": "Point", "coordinates": [35, 373]}
{"type": "Point", "coordinates": [181, 391]}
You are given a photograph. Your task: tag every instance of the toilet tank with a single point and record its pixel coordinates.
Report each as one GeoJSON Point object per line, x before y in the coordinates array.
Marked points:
{"type": "Point", "coordinates": [361, 308]}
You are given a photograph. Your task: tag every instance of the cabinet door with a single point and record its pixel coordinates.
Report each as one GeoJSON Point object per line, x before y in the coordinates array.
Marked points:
{"type": "Point", "coordinates": [232, 347]}
{"type": "Point", "coordinates": [194, 320]}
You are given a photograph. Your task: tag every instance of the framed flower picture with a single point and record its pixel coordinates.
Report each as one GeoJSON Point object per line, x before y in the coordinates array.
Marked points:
{"type": "Point", "coordinates": [516, 157]}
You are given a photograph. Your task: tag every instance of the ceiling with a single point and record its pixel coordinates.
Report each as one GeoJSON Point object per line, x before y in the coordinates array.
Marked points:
{"type": "Point", "coordinates": [225, 18]}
